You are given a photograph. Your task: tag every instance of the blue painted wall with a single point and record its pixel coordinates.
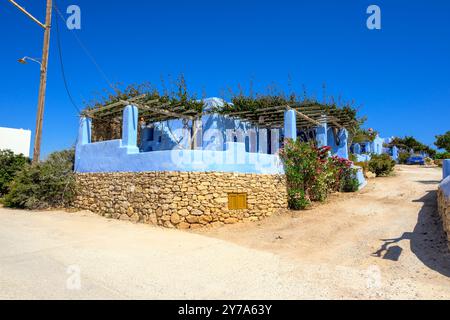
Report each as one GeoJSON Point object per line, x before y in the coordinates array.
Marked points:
{"type": "Point", "coordinates": [446, 168]}
{"type": "Point", "coordinates": [218, 153]}
{"type": "Point", "coordinates": [364, 150]}
{"type": "Point", "coordinates": [226, 145]}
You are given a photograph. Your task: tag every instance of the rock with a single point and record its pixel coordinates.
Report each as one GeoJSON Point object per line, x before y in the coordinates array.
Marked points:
{"type": "Point", "coordinates": [124, 217]}
{"type": "Point", "coordinates": [370, 175]}
{"type": "Point", "coordinates": [135, 218]}
{"type": "Point", "coordinates": [192, 219]}
{"type": "Point", "coordinates": [204, 219]}
{"type": "Point", "coordinates": [231, 220]}
{"type": "Point", "coordinates": [183, 212]}
{"type": "Point", "coordinates": [222, 200]}
{"type": "Point", "coordinates": [196, 212]}
{"type": "Point", "coordinates": [183, 226]}
{"type": "Point", "coordinates": [167, 224]}
{"type": "Point", "coordinates": [175, 219]}
{"type": "Point", "coordinates": [217, 224]}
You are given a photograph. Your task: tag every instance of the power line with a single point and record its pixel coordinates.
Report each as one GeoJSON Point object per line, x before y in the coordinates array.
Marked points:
{"type": "Point", "coordinates": [87, 52]}
{"type": "Point", "coordinates": [62, 65]}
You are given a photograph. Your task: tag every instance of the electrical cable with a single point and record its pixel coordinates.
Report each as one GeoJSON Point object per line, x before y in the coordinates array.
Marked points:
{"type": "Point", "coordinates": [87, 52]}
{"type": "Point", "coordinates": [63, 72]}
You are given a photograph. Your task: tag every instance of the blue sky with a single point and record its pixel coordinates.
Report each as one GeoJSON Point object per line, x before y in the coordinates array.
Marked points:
{"type": "Point", "coordinates": [399, 75]}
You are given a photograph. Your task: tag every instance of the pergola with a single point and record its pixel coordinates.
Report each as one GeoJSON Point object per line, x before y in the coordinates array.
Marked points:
{"type": "Point", "coordinates": [309, 115]}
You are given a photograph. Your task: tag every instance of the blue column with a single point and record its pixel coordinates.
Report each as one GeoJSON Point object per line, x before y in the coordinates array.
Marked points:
{"type": "Point", "coordinates": [446, 168]}
{"type": "Point", "coordinates": [130, 129]}
{"type": "Point", "coordinates": [342, 148]}
{"type": "Point", "coordinates": [395, 153]}
{"type": "Point", "coordinates": [262, 141]}
{"type": "Point", "coordinates": [369, 148]}
{"type": "Point", "coordinates": [84, 131]}
{"type": "Point", "coordinates": [290, 125]}
{"type": "Point", "coordinates": [84, 138]}
{"type": "Point", "coordinates": [322, 135]}
{"type": "Point", "coordinates": [357, 148]}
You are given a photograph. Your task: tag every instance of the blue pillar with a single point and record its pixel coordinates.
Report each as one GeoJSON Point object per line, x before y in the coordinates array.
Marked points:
{"type": "Point", "coordinates": [395, 153]}
{"type": "Point", "coordinates": [130, 129]}
{"type": "Point", "coordinates": [322, 135]}
{"type": "Point", "coordinates": [342, 148]}
{"type": "Point", "coordinates": [84, 131]}
{"type": "Point", "coordinates": [290, 125]}
{"type": "Point", "coordinates": [84, 138]}
{"type": "Point", "coordinates": [446, 168]}
{"type": "Point", "coordinates": [369, 148]}
{"type": "Point", "coordinates": [357, 148]}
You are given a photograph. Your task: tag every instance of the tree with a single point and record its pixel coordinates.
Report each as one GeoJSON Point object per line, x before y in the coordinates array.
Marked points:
{"type": "Point", "coordinates": [410, 143]}
{"type": "Point", "coordinates": [443, 141]}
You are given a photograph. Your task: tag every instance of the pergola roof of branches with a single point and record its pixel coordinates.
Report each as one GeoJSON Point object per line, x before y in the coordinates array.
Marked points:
{"type": "Point", "coordinates": [268, 113]}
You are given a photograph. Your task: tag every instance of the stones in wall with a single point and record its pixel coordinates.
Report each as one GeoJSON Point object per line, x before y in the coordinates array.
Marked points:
{"type": "Point", "coordinates": [444, 205]}
{"type": "Point", "coordinates": [183, 200]}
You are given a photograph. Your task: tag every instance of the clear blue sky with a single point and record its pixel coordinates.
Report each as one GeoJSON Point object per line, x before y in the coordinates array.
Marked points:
{"type": "Point", "coordinates": [400, 75]}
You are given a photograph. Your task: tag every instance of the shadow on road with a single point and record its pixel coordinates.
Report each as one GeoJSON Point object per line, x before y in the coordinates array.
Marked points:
{"type": "Point", "coordinates": [428, 240]}
{"type": "Point", "coordinates": [429, 182]}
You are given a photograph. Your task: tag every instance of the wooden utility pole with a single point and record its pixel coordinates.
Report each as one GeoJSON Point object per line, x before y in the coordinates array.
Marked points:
{"type": "Point", "coordinates": [43, 84]}
{"type": "Point", "coordinates": [43, 80]}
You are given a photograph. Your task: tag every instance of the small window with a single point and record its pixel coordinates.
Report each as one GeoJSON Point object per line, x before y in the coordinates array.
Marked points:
{"type": "Point", "coordinates": [237, 201]}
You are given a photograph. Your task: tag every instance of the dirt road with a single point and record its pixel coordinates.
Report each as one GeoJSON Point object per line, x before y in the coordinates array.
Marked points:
{"type": "Point", "coordinates": [385, 242]}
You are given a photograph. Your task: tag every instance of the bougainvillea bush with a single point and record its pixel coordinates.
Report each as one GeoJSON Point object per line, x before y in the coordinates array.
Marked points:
{"type": "Point", "coordinates": [312, 175]}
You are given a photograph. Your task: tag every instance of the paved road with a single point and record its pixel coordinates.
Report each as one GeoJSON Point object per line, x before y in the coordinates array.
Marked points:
{"type": "Point", "coordinates": [333, 251]}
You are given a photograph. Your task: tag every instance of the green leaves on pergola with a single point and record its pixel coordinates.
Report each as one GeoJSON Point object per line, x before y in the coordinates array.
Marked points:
{"type": "Point", "coordinates": [261, 111]}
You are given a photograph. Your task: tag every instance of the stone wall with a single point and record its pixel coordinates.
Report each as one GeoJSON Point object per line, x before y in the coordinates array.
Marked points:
{"type": "Point", "coordinates": [444, 205]}
{"type": "Point", "coordinates": [180, 199]}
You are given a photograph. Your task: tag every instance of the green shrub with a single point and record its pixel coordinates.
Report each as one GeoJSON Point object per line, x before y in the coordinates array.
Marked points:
{"type": "Point", "coordinates": [298, 199]}
{"type": "Point", "coordinates": [403, 157]}
{"type": "Point", "coordinates": [442, 156]}
{"type": "Point", "coordinates": [49, 184]}
{"type": "Point", "coordinates": [381, 165]}
{"type": "Point", "coordinates": [10, 164]}
{"type": "Point", "coordinates": [349, 181]}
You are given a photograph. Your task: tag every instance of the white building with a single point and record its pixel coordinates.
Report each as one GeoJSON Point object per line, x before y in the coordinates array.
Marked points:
{"type": "Point", "coordinates": [16, 140]}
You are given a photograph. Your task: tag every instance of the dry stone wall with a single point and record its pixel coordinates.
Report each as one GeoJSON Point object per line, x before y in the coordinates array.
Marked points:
{"type": "Point", "coordinates": [180, 200]}
{"type": "Point", "coordinates": [444, 205]}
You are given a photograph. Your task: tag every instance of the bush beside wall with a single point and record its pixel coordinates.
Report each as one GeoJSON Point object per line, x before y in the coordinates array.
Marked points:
{"type": "Point", "coordinates": [10, 165]}
{"type": "Point", "coordinates": [312, 175]}
{"type": "Point", "coordinates": [49, 184]}
{"type": "Point", "coordinates": [382, 165]}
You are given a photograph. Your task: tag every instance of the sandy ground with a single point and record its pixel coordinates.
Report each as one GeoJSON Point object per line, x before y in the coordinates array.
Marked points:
{"type": "Point", "coordinates": [385, 242]}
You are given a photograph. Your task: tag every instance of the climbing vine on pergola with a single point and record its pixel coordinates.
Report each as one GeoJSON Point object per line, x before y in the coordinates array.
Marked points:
{"type": "Point", "coordinates": [262, 110]}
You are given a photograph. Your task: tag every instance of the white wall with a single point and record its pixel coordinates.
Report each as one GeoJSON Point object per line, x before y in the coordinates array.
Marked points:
{"type": "Point", "coordinates": [18, 141]}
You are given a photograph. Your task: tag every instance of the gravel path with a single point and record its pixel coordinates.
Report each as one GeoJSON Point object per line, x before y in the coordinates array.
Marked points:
{"type": "Point", "coordinates": [337, 250]}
